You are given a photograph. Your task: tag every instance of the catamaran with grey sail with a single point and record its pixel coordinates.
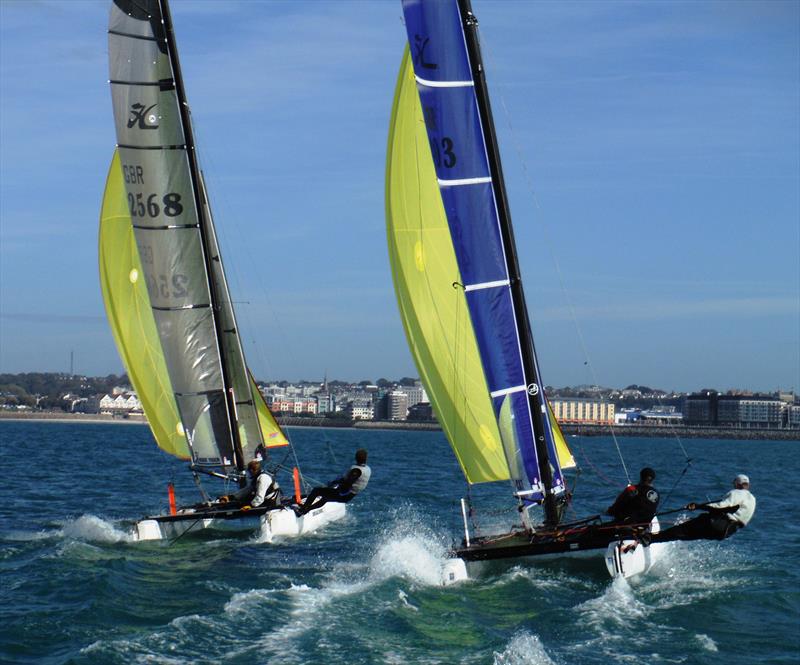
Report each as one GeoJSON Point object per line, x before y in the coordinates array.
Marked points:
{"type": "Point", "coordinates": [167, 297]}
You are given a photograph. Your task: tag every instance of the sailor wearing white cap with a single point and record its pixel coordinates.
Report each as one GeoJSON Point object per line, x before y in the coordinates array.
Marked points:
{"type": "Point", "coordinates": [722, 519]}
{"type": "Point", "coordinates": [740, 497]}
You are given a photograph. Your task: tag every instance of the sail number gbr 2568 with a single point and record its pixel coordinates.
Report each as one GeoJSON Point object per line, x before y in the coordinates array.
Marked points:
{"type": "Point", "coordinates": [150, 205]}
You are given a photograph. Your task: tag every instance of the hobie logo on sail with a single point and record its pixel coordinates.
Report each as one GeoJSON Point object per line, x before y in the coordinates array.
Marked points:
{"type": "Point", "coordinates": [533, 389]}
{"type": "Point", "coordinates": [419, 46]}
{"type": "Point", "coordinates": [142, 117]}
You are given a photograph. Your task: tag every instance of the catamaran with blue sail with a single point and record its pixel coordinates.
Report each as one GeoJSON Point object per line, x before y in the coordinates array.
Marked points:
{"type": "Point", "coordinates": [165, 290]}
{"type": "Point", "coordinates": [461, 299]}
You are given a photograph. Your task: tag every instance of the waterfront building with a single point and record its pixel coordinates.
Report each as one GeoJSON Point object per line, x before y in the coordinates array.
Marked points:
{"type": "Point", "coordinates": [359, 409]}
{"type": "Point", "coordinates": [422, 412]}
{"type": "Point", "coordinates": [750, 412]}
{"type": "Point", "coordinates": [582, 410]}
{"type": "Point", "coordinates": [627, 416]}
{"type": "Point", "coordinates": [662, 415]}
{"type": "Point", "coordinates": [415, 394]}
{"type": "Point", "coordinates": [701, 408]}
{"type": "Point", "coordinates": [747, 411]}
{"type": "Point", "coordinates": [326, 402]}
{"type": "Point", "coordinates": [121, 404]}
{"type": "Point", "coordinates": [793, 417]}
{"type": "Point", "coordinates": [381, 407]}
{"type": "Point", "coordinates": [397, 405]}
{"type": "Point", "coordinates": [286, 404]}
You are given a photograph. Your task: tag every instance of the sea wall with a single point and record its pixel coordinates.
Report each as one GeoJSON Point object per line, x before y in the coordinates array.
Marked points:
{"type": "Point", "coordinates": [655, 431]}
{"type": "Point", "coordinates": [684, 432]}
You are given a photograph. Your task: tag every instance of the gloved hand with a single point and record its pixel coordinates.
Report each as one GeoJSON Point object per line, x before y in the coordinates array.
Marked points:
{"type": "Point", "coordinates": [223, 499]}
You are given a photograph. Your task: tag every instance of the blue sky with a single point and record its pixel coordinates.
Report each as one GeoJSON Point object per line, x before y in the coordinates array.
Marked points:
{"type": "Point", "coordinates": [651, 151]}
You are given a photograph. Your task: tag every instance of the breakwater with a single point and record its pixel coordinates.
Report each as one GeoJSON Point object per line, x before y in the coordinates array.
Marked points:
{"type": "Point", "coordinates": [684, 432]}
{"type": "Point", "coordinates": [648, 431]}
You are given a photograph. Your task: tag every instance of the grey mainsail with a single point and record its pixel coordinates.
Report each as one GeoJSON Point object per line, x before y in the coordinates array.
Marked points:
{"type": "Point", "coordinates": [176, 239]}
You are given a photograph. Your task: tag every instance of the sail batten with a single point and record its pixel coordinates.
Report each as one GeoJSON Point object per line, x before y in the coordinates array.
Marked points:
{"type": "Point", "coordinates": [444, 84]}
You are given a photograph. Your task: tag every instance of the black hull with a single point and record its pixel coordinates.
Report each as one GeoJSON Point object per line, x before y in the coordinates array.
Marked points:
{"type": "Point", "coordinates": [521, 543]}
{"type": "Point", "coordinates": [194, 513]}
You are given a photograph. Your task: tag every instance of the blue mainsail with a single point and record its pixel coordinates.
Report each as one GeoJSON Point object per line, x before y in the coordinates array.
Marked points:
{"type": "Point", "coordinates": [469, 194]}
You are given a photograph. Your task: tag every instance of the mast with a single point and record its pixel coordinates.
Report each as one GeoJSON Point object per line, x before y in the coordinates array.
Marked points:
{"type": "Point", "coordinates": [194, 171]}
{"type": "Point", "coordinates": [530, 367]}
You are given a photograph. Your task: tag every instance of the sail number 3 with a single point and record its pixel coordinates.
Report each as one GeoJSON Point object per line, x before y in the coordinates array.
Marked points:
{"type": "Point", "coordinates": [445, 156]}
{"type": "Point", "coordinates": [170, 204]}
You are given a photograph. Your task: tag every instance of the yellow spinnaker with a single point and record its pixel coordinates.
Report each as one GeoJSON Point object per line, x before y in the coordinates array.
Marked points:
{"type": "Point", "coordinates": [271, 432]}
{"type": "Point", "coordinates": [131, 318]}
{"type": "Point", "coordinates": [434, 313]}
{"type": "Point", "coordinates": [133, 326]}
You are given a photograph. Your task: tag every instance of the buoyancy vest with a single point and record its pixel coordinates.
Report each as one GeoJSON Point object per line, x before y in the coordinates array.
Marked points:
{"type": "Point", "coordinates": [272, 491]}
{"type": "Point", "coordinates": [361, 482]}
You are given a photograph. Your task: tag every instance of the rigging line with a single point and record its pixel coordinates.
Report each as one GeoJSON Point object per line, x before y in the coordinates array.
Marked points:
{"type": "Point", "coordinates": [596, 469]}
{"type": "Point", "coordinates": [330, 450]}
{"type": "Point", "coordinates": [233, 271]}
{"type": "Point", "coordinates": [191, 526]}
{"type": "Point", "coordinates": [680, 477]}
{"type": "Point", "coordinates": [549, 243]}
{"type": "Point", "coordinates": [674, 432]}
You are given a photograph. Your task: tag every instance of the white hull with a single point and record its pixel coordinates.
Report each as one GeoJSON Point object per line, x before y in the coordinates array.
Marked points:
{"type": "Point", "coordinates": [277, 522]}
{"type": "Point", "coordinates": [630, 558]}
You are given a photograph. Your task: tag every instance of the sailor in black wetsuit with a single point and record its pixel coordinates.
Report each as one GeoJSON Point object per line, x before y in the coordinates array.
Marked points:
{"type": "Point", "coordinates": [342, 489]}
{"type": "Point", "coordinates": [637, 504]}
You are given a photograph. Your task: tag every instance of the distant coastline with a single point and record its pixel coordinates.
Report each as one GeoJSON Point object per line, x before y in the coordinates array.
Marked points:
{"type": "Point", "coordinates": [651, 431]}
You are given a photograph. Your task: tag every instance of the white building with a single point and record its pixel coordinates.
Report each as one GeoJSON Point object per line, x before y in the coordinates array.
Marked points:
{"type": "Point", "coordinates": [793, 420]}
{"type": "Point", "coordinates": [122, 404]}
{"type": "Point", "coordinates": [397, 405]}
{"type": "Point", "coordinates": [359, 410]}
{"type": "Point", "coordinates": [416, 394]}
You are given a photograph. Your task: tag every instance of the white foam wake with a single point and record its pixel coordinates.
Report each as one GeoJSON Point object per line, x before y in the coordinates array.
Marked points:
{"type": "Point", "coordinates": [93, 529]}
{"type": "Point", "coordinates": [524, 649]}
{"type": "Point", "coordinates": [615, 607]}
{"type": "Point", "coordinates": [410, 549]}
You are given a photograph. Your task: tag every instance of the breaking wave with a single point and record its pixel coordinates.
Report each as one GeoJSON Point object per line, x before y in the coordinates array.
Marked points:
{"type": "Point", "coordinates": [93, 529]}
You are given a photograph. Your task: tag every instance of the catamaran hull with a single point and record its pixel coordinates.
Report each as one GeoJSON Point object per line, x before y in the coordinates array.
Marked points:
{"type": "Point", "coordinates": [270, 523]}
{"type": "Point", "coordinates": [630, 557]}
{"type": "Point", "coordinates": [624, 557]}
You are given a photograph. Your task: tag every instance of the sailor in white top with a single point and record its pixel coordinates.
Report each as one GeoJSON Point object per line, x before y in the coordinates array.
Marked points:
{"type": "Point", "coordinates": [723, 518]}
{"type": "Point", "coordinates": [262, 490]}
{"type": "Point", "coordinates": [740, 498]}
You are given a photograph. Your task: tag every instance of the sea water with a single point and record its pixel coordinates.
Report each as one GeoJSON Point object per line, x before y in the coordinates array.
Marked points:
{"type": "Point", "coordinates": [77, 589]}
